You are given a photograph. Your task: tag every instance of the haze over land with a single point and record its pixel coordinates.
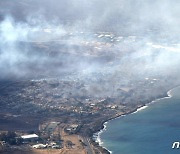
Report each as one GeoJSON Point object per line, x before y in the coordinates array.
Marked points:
{"type": "Point", "coordinates": [146, 32]}
{"type": "Point", "coordinates": [104, 45]}
{"type": "Point", "coordinates": [68, 66]}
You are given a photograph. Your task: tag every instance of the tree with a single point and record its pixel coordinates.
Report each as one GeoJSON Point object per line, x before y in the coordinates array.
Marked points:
{"type": "Point", "coordinates": [10, 138]}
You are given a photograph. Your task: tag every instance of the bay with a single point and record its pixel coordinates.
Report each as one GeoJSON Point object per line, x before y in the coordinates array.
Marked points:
{"type": "Point", "coordinates": [149, 131]}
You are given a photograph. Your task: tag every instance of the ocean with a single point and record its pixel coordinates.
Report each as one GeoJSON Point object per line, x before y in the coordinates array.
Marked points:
{"type": "Point", "coordinates": [150, 130]}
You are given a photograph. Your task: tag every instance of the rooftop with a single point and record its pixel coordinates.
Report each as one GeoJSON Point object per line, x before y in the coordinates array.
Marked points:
{"type": "Point", "coordinates": [29, 136]}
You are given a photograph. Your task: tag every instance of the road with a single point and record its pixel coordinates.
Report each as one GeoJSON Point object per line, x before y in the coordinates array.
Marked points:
{"type": "Point", "coordinates": [88, 146]}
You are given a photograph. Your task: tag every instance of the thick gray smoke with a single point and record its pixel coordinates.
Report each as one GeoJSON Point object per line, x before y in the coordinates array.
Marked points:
{"type": "Point", "coordinates": [117, 15]}
{"type": "Point", "coordinates": [16, 47]}
{"type": "Point", "coordinates": [52, 37]}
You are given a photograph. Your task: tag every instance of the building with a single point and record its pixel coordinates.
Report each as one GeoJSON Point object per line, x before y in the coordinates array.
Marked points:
{"type": "Point", "coordinates": [30, 138]}
{"type": "Point", "coordinates": [39, 146]}
{"type": "Point", "coordinates": [72, 128]}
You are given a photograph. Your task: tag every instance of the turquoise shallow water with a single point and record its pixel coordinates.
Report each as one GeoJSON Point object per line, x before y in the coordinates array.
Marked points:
{"type": "Point", "coordinates": [149, 131]}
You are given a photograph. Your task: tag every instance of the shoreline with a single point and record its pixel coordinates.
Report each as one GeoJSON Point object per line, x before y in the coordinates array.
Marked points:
{"type": "Point", "coordinates": [96, 135]}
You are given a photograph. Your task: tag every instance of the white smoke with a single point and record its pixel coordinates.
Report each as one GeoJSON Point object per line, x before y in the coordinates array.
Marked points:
{"type": "Point", "coordinates": [153, 48]}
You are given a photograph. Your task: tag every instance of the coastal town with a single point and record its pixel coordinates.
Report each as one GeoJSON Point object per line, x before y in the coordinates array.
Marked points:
{"type": "Point", "coordinates": [89, 77]}
{"type": "Point", "coordinates": [61, 113]}
{"type": "Point", "coordinates": [54, 115]}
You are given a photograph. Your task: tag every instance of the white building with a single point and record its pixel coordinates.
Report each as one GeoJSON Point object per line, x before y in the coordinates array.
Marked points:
{"type": "Point", "coordinates": [30, 137]}
{"type": "Point", "coordinates": [39, 146]}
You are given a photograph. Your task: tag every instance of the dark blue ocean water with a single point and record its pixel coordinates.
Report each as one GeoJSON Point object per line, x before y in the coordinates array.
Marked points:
{"type": "Point", "coordinates": [149, 131]}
